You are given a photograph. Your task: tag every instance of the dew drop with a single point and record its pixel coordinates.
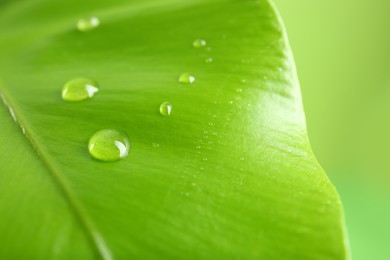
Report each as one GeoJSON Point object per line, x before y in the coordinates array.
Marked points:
{"type": "Point", "coordinates": [12, 113]}
{"type": "Point", "coordinates": [79, 89]}
{"type": "Point", "coordinates": [208, 60]}
{"type": "Point", "coordinates": [199, 43]}
{"type": "Point", "coordinates": [155, 145]}
{"type": "Point", "coordinates": [239, 90]}
{"type": "Point", "coordinates": [88, 24]}
{"type": "Point", "coordinates": [165, 108]}
{"type": "Point", "coordinates": [109, 145]}
{"type": "Point", "coordinates": [186, 78]}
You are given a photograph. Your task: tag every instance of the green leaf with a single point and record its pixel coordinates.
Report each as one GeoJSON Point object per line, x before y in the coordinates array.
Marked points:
{"type": "Point", "coordinates": [228, 174]}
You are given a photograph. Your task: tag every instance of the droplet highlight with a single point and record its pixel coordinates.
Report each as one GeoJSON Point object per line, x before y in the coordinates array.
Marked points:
{"type": "Point", "coordinates": [186, 78]}
{"type": "Point", "coordinates": [109, 145]}
{"type": "Point", "coordinates": [199, 43]}
{"type": "Point", "coordinates": [88, 24]}
{"type": "Point", "coordinates": [79, 89]}
{"type": "Point", "coordinates": [166, 108]}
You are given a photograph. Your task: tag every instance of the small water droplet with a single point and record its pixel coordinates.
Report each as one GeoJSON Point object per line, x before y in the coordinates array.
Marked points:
{"type": "Point", "coordinates": [166, 108]}
{"type": "Point", "coordinates": [193, 184]}
{"type": "Point", "coordinates": [280, 69]}
{"type": "Point", "coordinates": [243, 80]}
{"type": "Point", "coordinates": [205, 159]}
{"type": "Point", "coordinates": [208, 60]}
{"type": "Point", "coordinates": [12, 113]}
{"type": "Point", "coordinates": [239, 90]}
{"type": "Point", "coordinates": [79, 89]}
{"type": "Point", "coordinates": [186, 78]}
{"type": "Point", "coordinates": [211, 124]}
{"type": "Point", "coordinates": [87, 24]}
{"type": "Point", "coordinates": [242, 158]}
{"type": "Point", "coordinates": [199, 43]}
{"type": "Point", "coordinates": [109, 145]}
{"type": "Point", "coordinates": [155, 145]}
{"type": "Point", "coordinates": [231, 102]}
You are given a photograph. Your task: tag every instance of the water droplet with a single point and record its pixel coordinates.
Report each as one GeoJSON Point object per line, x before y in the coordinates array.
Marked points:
{"type": "Point", "coordinates": [239, 90]}
{"type": "Point", "coordinates": [87, 24]}
{"type": "Point", "coordinates": [155, 145]}
{"type": "Point", "coordinates": [231, 102]}
{"type": "Point", "coordinates": [243, 80]}
{"type": "Point", "coordinates": [166, 108]}
{"type": "Point", "coordinates": [186, 78]}
{"type": "Point", "coordinates": [208, 60]}
{"type": "Point", "coordinates": [242, 158]}
{"type": "Point", "coordinates": [198, 147]}
{"type": "Point", "coordinates": [109, 145]}
{"type": "Point", "coordinates": [199, 43]}
{"type": "Point", "coordinates": [211, 124]}
{"type": "Point", "coordinates": [205, 159]}
{"type": "Point", "coordinates": [79, 89]}
{"type": "Point", "coordinates": [193, 184]}
{"type": "Point", "coordinates": [12, 113]}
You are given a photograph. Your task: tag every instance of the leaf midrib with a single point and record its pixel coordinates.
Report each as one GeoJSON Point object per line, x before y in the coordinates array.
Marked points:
{"type": "Point", "coordinates": [88, 226]}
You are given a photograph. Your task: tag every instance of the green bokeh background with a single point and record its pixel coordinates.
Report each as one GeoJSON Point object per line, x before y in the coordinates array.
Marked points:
{"type": "Point", "coordinates": [342, 51]}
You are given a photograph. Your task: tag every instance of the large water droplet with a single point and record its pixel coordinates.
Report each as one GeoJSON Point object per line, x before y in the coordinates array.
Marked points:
{"type": "Point", "coordinates": [109, 145]}
{"type": "Point", "coordinates": [87, 24]}
{"type": "Point", "coordinates": [79, 89]}
{"type": "Point", "coordinates": [166, 108]}
{"type": "Point", "coordinates": [199, 43]}
{"type": "Point", "coordinates": [186, 78]}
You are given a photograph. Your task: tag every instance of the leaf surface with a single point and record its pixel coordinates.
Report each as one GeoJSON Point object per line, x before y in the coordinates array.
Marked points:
{"type": "Point", "coordinates": [229, 174]}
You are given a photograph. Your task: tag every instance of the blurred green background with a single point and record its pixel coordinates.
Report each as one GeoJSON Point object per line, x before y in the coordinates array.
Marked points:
{"type": "Point", "coordinates": [342, 51]}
